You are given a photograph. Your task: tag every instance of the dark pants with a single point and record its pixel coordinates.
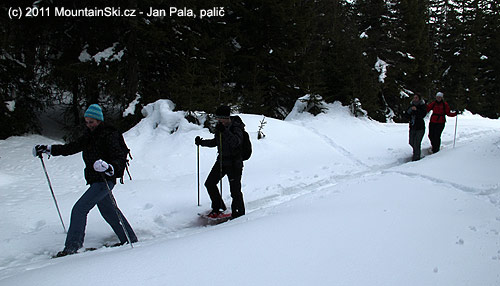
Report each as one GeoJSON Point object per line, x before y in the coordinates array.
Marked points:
{"type": "Point", "coordinates": [415, 142]}
{"type": "Point", "coordinates": [98, 195]}
{"type": "Point", "coordinates": [435, 131]}
{"type": "Point", "coordinates": [233, 173]}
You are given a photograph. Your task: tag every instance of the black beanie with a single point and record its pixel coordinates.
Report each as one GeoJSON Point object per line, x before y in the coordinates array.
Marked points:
{"type": "Point", "coordinates": [223, 111]}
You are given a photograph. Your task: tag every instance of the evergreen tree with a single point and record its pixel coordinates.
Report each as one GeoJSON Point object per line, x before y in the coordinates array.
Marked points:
{"type": "Point", "coordinates": [466, 32]}
{"type": "Point", "coordinates": [376, 23]}
{"type": "Point", "coordinates": [349, 76]}
{"type": "Point", "coordinates": [412, 58]}
{"type": "Point", "coordinates": [259, 57]}
{"type": "Point", "coordinates": [23, 76]}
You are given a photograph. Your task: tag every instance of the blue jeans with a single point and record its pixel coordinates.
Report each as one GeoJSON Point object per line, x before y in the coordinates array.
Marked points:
{"type": "Point", "coordinates": [98, 195]}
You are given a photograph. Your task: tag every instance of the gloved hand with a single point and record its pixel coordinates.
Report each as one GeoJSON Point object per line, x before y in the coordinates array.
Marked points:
{"type": "Point", "coordinates": [38, 150]}
{"type": "Point", "coordinates": [198, 140]}
{"type": "Point", "coordinates": [101, 166]}
{"type": "Point", "coordinates": [220, 127]}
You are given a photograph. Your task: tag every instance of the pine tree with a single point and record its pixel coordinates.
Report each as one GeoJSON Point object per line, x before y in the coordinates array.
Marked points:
{"type": "Point", "coordinates": [348, 73]}
{"type": "Point", "coordinates": [376, 23]}
{"type": "Point", "coordinates": [23, 74]}
{"type": "Point", "coordinates": [412, 54]}
{"type": "Point", "coordinates": [466, 32]}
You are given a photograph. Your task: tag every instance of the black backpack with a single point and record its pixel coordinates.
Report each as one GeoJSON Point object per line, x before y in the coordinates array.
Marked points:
{"type": "Point", "coordinates": [246, 145]}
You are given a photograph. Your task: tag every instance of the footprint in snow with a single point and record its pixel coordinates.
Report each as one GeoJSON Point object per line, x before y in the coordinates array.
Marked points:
{"type": "Point", "coordinates": [37, 226]}
{"type": "Point", "coordinates": [147, 206]}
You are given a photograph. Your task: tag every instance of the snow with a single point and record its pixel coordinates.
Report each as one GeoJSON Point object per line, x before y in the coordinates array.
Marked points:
{"type": "Point", "coordinates": [10, 105]}
{"type": "Point", "coordinates": [331, 200]}
{"type": "Point", "coordinates": [84, 56]}
{"type": "Point", "coordinates": [130, 110]}
{"type": "Point", "coordinates": [381, 67]}
{"type": "Point", "coordinates": [108, 54]}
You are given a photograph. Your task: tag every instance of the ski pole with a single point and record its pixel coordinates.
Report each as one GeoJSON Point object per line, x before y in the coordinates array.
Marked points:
{"type": "Point", "coordinates": [455, 136]}
{"type": "Point", "coordinates": [220, 157]}
{"type": "Point", "coordinates": [52, 192]}
{"type": "Point", "coordinates": [118, 213]}
{"type": "Point", "coordinates": [198, 172]}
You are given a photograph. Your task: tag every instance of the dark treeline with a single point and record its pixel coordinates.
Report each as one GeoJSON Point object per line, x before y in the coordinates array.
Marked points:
{"type": "Point", "coordinates": [259, 57]}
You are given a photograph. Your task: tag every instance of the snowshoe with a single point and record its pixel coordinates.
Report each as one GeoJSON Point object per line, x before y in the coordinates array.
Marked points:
{"type": "Point", "coordinates": [65, 252]}
{"type": "Point", "coordinates": [216, 217]}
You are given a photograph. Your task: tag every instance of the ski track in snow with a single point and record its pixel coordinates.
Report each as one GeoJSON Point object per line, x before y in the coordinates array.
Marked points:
{"type": "Point", "coordinates": [467, 189]}
{"type": "Point", "coordinates": [337, 147]}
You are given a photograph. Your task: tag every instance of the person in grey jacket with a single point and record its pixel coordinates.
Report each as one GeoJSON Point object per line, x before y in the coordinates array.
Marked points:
{"type": "Point", "coordinates": [104, 158]}
{"type": "Point", "coordinates": [417, 111]}
{"type": "Point", "coordinates": [228, 139]}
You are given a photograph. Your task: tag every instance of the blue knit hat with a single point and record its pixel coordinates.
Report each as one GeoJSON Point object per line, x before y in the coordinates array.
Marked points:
{"type": "Point", "coordinates": [94, 111]}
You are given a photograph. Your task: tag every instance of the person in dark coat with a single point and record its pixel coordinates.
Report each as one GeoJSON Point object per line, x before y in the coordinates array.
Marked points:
{"type": "Point", "coordinates": [228, 138]}
{"type": "Point", "coordinates": [104, 157]}
{"type": "Point", "coordinates": [417, 112]}
{"type": "Point", "coordinates": [440, 109]}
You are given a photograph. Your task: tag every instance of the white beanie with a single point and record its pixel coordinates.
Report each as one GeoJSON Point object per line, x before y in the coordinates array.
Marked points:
{"type": "Point", "coordinates": [439, 94]}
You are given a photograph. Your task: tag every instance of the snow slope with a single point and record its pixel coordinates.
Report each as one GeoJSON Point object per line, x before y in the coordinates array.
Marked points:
{"type": "Point", "coordinates": [331, 200]}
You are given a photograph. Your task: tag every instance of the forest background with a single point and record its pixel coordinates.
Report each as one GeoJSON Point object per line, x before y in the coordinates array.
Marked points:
{"type": "Point", "coordinates": [259, 57]}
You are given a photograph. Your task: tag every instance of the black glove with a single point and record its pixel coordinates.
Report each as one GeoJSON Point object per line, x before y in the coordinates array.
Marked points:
{"type": "Point", "coordinates": [38, 150]}
{"type": "Point", "coordinates": [198, 140]}
{"type": "Point", "coordinates": [220, 127]}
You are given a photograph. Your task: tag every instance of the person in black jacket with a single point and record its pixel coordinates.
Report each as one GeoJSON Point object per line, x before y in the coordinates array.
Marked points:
{"type": "Point", "coordinates": [417, 112]}
{"type": "Point", "coordinates": [228, 139]}
{"type": "Point", "coordinates": [104, 157]}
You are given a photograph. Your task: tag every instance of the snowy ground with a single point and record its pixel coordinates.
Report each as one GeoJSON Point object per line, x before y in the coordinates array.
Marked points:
{"type": "Point", "coordinates": [331, 200]}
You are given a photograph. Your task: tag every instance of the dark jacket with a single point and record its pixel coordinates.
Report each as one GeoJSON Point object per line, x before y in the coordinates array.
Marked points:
{"type": "Point", "coordinates": [232, 137]}
{"type": "Point", "coordinates": [417, 116]}
{"type": "Point", "coordinates": [102, 143]}
{"type": "Point", "coordinates": [439, 110]}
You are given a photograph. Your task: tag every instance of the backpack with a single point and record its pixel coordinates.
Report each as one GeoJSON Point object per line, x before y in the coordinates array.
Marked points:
{"type": "Point", "coordinates": [124, 147]}
{"type": "Point", "coordinates": [246, 145]}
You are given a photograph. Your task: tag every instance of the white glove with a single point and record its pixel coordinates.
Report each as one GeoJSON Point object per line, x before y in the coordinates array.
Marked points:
{"type": "Point", "coordinates": [101, 166]}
